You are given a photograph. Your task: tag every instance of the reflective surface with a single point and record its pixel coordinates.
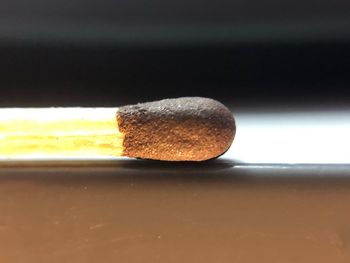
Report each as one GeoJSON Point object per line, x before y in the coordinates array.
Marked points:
{"type": "Point", "coordinates": [139, 211]}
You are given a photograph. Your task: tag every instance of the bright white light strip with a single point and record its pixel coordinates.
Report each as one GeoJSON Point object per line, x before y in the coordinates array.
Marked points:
{"type": "Point", "coordinates": [273, 138]}
{"type": "Point", "coordinates": [56, 113]}
{"type": "Point", "coordinates": [309, 137]}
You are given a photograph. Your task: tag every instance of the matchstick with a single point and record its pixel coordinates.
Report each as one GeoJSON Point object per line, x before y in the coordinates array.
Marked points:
{"type": "Point", "coordinates": [181, 129]}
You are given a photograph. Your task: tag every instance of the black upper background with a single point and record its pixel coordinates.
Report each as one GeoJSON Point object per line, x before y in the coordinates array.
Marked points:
{"type": "Point", "coordinates": [103, 53]}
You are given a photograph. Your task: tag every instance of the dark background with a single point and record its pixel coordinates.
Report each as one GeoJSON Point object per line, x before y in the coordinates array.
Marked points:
{"type": "Point", "coordinates": [103, 53]}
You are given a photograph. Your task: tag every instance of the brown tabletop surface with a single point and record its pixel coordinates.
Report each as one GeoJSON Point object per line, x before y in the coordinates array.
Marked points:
{"type": "Point", "coordinates": [140, 211]}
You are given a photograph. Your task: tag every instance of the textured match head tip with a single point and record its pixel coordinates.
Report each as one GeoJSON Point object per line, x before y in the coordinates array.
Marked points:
{"type": "Point", "coordinates": [182, 129]}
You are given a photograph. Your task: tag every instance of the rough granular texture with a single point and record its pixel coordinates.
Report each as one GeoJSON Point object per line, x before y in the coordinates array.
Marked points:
{"type": "Point", "coordinates": [182, 129]}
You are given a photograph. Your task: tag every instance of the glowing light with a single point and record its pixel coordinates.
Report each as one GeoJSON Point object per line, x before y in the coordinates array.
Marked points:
{"type": "Point", "coordinates": [303, 137]}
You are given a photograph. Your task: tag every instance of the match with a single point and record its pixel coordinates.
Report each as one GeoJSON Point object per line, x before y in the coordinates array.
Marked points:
{"type": "Point", "coordinates": [180, 129]}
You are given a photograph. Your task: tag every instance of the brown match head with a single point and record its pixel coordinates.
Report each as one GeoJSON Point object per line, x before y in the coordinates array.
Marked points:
{"type": "Point", "coordinates": [182, 129]}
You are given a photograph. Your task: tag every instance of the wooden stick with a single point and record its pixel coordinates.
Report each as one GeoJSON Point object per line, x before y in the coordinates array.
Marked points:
{"type": "Point", "coordinates": [183, 129]}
